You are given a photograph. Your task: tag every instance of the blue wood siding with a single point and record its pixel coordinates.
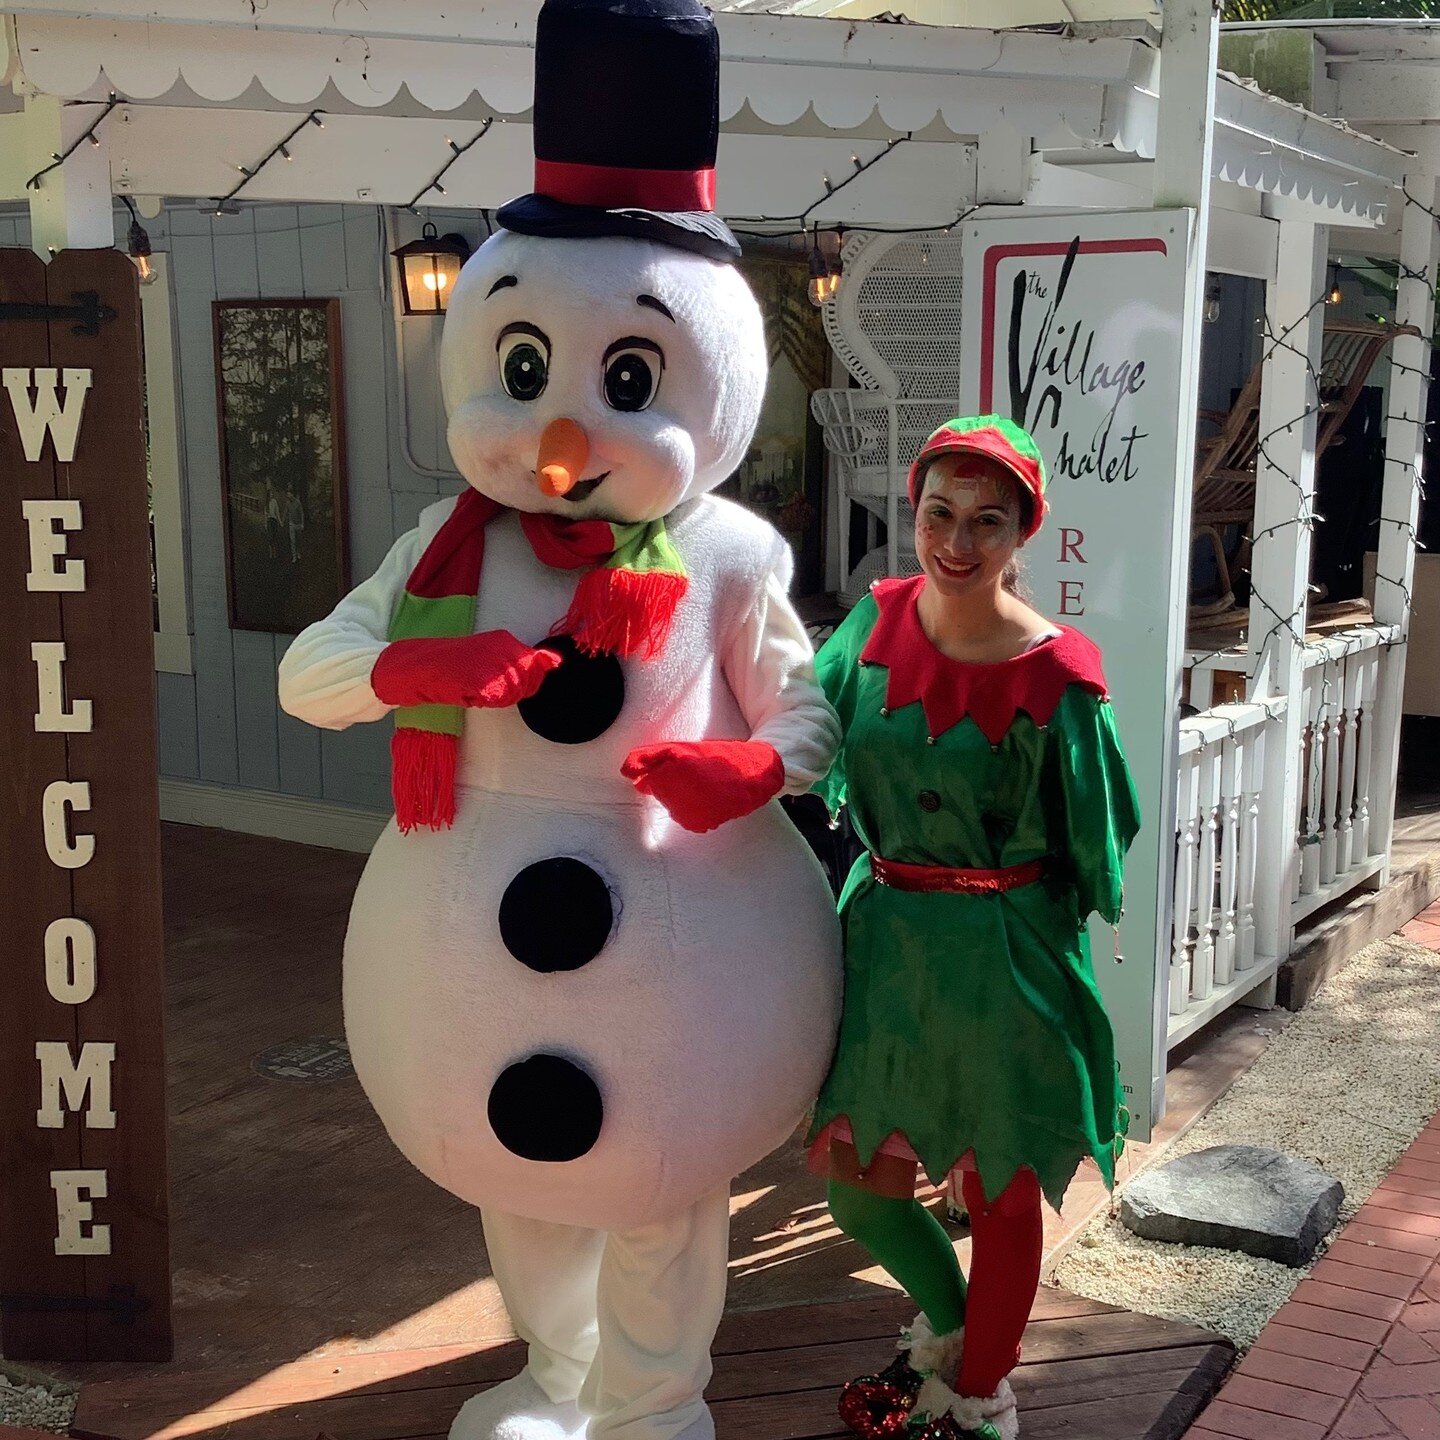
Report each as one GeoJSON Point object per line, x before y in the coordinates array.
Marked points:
{"type": "Point", "coordinates": [222, 724]}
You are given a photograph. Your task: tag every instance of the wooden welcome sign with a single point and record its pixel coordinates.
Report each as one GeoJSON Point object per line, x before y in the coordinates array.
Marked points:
{"type": "Point", "coordinates": [84, 1240]}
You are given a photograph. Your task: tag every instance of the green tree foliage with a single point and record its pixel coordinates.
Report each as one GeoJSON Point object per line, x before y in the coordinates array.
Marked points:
{"type": "Point", "coordinates": [1320, 10]}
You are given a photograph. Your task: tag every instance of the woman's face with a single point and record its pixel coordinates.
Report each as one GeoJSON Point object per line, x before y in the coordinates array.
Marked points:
{"type": "Point", "coordinates": [967, 527]}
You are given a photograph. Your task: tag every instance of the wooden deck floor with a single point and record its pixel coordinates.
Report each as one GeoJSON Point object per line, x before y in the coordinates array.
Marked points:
{"type": "Point", "coordinates": [1090, 1372]}
{"type": "Point", "coordinates": [321, 1284]}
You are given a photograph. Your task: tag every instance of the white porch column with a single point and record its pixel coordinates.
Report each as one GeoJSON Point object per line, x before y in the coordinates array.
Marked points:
{"type": "Point", "coordinates": [71, 207]}
{"type": "Point", "coordinates": [1400, 498]}
{"type": "Point", "coordinates": [1184, 147]}
{"type": "Point", "coordinates": [1280, 561]}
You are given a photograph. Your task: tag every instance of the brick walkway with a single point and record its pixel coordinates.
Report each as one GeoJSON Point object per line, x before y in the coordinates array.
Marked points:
{"type": "Point", "coordinates": [1354, 1354]}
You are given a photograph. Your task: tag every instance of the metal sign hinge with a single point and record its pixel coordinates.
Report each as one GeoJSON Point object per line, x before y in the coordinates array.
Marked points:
{"type": "Point", "coordinates": [87, 309]}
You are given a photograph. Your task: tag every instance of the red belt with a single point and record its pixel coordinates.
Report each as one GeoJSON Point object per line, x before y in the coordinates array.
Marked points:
{"type": "Point", "coordinates": [954, 881]}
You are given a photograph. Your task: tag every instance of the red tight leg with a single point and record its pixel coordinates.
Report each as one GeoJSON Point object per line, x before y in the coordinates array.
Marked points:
{"type": "Point", "coordinates": [1007, 1240]}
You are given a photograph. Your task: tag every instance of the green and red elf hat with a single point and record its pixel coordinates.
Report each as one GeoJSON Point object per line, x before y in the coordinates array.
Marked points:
{"type": "Point", "coordinates": [998, 439]}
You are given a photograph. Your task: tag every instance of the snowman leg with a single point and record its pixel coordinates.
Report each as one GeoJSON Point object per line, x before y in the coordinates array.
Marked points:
{"type": "Point", "coordinates": [547, 1276]}
{"type": "Point", "coordinates": [661, 1295]}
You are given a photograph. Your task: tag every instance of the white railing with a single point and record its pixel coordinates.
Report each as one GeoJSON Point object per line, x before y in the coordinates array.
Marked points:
{"type": "Point", "coordinates": [1218, 867]}
{"type": "Point", "coordinates": [1332, 732]}
{"type": "Point", "coordinates": [1338, 847]}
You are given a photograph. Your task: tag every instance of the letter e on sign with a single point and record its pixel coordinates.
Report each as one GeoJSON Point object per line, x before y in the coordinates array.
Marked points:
{"type": "Point", "coordinates": [1071, 597]}
{"type": "Point", "coordinates": [47, 545]}
{"type": "Point", "coordinates": [75, 1234]}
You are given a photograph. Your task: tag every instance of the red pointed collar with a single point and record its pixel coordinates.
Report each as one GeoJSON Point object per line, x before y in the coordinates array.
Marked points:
{"type": "Point", "coordinates": [990, 694]}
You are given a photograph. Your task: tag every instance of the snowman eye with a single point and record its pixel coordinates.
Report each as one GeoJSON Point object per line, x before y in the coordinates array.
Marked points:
{"type": "Point", "coordinates": [632, 373]}
{"type": "Point", "coordinates": [524, 357]}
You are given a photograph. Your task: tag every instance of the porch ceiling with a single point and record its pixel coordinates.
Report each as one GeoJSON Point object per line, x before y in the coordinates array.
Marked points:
{"type": "Point", "coordinates": [203, 75]}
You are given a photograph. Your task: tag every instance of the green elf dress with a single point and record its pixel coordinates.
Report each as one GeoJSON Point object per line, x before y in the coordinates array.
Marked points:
{"type": "Point", "coordinates": [996, 808]}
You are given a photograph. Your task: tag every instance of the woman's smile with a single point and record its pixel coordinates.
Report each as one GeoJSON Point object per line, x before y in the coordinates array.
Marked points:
{"type": "Point", "coordinates": [957, 569]}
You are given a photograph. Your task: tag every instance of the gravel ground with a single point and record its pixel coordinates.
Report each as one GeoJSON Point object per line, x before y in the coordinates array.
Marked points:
{"type": "Point", "coordinates": [35, 1403]}
{"type": "Point", "coordinates": [1348, 1085]}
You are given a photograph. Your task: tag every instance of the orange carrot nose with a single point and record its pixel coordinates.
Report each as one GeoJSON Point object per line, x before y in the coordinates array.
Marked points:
{"type": "Point", "coordinates": [564, 449]}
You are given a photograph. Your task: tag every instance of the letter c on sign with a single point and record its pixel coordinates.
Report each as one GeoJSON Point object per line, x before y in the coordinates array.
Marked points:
{"type": "Point", "coordinates": [67, 853]}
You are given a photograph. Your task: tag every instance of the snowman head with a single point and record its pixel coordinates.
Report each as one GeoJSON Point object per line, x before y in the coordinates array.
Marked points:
{"type": "Point", "coordinates": [607, 378]}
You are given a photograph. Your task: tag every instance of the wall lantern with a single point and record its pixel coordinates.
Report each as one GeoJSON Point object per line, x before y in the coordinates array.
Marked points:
{"type": "Point", "coordinates": [429, 268]}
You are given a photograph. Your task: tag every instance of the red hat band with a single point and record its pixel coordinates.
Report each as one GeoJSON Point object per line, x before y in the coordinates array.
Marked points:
{"type": "Point", "coordinates": [993, 444]}
{"type": "Point", "coordinates": [619, 187]}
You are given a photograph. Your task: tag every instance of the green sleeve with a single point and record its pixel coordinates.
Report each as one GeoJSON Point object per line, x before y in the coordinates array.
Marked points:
{"type": "Point", "coordinates": [1100, 812]}
{"type": "Point", "coordinates": [837, 667]}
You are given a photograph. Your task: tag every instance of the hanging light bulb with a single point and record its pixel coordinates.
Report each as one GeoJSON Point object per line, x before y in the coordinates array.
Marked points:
{"type": "Point", "coordinates": [137, 246]}
{"type": "Point", "coordinates": [1335, 296]}
{"type": "Point", "coordinates": [819, 288]}
{"type": "Point", "coordinates": [832, 280]}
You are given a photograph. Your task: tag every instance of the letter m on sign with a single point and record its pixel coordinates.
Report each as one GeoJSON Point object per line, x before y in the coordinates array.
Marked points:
{"type": "Point", "coordinates": [84, 1242]}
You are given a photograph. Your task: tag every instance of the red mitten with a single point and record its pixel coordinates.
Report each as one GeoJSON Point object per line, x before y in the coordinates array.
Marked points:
{"type": "Point", "coordinates": [704, 783]}
{"type": "Point", "coordinates": [488, 670]}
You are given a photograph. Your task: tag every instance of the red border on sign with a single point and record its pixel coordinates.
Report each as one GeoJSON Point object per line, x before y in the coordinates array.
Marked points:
{"type": "Point", "coordinates": [996, 253]}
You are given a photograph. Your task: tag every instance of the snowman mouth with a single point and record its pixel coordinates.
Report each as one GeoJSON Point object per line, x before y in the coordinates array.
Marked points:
{"type": "Point", "coordinates": [583, 489]}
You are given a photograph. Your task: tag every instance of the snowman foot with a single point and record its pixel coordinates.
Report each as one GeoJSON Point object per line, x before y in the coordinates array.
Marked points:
{"type": "Point", "coordinates": [518, 1409]}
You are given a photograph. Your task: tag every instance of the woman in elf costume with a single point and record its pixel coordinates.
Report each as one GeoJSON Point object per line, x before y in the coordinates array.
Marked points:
{"type": "Point", "coordinates": [984, 775]}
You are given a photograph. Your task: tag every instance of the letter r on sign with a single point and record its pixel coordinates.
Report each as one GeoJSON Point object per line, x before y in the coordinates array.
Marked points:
{"type": "Point", "coordinates": [1070, 542]}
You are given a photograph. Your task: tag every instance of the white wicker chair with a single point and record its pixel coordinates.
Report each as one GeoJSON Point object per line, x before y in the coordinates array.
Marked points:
{"type": "Point", "coordinates": [895, 324]}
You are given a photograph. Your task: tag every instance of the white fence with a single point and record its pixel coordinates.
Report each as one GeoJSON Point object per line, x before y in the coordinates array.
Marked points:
{"type": "Point", "coordinates": [1331, 729]}
{"type": "Point", "coordinates": [1337, 766]}
{"type": "Point", "coordinates": [1213, 959]}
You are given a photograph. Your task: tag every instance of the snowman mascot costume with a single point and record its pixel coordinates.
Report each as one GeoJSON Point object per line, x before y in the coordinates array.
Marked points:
{"type": "Point", "coordinates": [592, 973]}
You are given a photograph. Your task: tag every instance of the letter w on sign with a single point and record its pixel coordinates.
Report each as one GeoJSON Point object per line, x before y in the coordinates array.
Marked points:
{"type": "Point", "coordinates": [46, 414]}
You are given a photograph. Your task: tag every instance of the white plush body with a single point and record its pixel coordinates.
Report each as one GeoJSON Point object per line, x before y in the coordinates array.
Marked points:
{"type": "Point", "coordinates": [708, 1018]}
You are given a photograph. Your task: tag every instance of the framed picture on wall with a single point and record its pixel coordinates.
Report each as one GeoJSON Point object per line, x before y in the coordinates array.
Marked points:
{"type": "Point", "coordinates": [280, 406]}
{"type": "Point", "coordinates": [782, 476]}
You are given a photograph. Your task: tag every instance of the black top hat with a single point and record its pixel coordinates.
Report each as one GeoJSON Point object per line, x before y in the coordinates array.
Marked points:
{"type": "Point", "coordinates": [627, 115]}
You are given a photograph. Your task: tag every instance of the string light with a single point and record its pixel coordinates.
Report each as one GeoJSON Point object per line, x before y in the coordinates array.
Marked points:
{"type": "Point", "coordinates": [222, 203]}
{"type": "Point", "coordinates": [456, 151]}
{"type": "Point", "coordinates": [58, 159]}
{"type": "Point", "coordinates": [831, 188]}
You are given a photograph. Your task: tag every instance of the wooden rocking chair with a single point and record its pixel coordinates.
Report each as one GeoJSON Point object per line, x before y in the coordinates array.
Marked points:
{"type": "Point", "coordinates": [1225, 464]}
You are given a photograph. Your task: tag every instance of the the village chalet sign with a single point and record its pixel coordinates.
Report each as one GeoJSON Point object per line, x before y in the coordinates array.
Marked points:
{"type": "Point", "coordinates": [84, 1255]}
{"type": "Point", "coordinates": [1073, 327]}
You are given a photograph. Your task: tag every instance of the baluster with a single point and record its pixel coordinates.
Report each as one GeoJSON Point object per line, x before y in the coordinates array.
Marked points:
{"type": "Point", "coordinates": [1365, 748]}
{"type": "Point", "coordinates": [1313, 762]}
{"type": "Point", "coordinates": [1332, 692]}
{"type": "Point", "coordinates": [1345, 856]}
{"type": "Point", "coordinates": [1229, 858]}
{"type": "Point", "coordinates": [1252, 768]}
{"type": "Point", "coordinates": [1187, 839]}
{"type": "Point", "coordinates": [1202, 964]}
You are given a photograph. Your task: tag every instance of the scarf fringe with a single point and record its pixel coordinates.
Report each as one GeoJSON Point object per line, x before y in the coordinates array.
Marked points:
{"type": "Point", "coordinates": [623, 612]}
{"type": "Point", "coordinates": [422, 778]}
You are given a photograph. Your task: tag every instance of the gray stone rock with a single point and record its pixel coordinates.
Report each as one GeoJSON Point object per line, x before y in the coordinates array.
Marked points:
{"type": "Point", "coordinates": [1236, 1197]}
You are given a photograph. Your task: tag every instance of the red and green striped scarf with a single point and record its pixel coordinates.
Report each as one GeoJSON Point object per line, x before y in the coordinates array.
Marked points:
{"type": "Point", "coordinates": [623, 605]}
